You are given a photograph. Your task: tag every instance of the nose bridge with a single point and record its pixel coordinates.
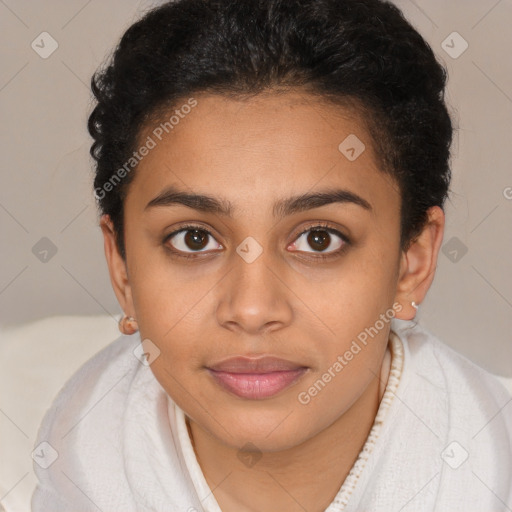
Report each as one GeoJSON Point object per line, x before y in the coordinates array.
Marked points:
{"type": "Point", "coordinates": [253, 296]}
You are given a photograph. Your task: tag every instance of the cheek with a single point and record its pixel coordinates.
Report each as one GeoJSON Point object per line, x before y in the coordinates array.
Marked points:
{"type": "Point", "coordinates": [167, 295]}
{"type": "Point", "coordinates": [174, 309]}
{"type": "Point", "coordinates": [355, 296]}
{"type": "Point", "coordinates": [355, 312]}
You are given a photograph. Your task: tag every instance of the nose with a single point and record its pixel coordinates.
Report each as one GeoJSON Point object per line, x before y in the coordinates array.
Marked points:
{"type": "Point", "coordinates": [254, 297]}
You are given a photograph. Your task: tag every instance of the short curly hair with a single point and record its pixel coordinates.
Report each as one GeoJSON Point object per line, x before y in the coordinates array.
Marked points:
{"type": "Point", "coordinates": [362, 53]}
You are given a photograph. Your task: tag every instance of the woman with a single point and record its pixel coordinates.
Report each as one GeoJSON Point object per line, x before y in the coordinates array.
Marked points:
{"type": "Point", "coordinates": [271, 176]}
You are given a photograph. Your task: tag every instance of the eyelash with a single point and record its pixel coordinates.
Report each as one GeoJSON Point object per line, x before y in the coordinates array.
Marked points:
{"type": "Point", "coordinates": [316, 227]}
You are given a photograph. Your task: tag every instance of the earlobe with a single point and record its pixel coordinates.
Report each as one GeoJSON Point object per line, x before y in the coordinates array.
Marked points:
{"type": "Point", "coordinates": [117, 267]}
{"type": "Point", "coordinates": [128, 325]}
{"type": "Point", "coordinates": [418, 264]}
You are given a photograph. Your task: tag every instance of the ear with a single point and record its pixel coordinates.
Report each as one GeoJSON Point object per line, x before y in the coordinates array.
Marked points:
{"type": "Point", "coordinates": [117, 267]}
{"type": "Point", "coordinates": [418, 264]}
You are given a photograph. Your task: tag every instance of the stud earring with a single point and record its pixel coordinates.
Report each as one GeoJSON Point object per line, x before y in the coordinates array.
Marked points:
{"type": "Point", "coordinates": [414, 305]}
{"type": "Point", "coordinates": [128, 325]}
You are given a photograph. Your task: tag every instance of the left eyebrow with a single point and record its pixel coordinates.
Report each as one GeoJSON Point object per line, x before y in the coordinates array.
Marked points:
{"type": "Point", "coordinates": [281, 208]}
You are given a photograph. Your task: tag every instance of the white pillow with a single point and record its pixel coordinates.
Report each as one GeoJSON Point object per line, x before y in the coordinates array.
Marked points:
{"type": "Point", "coordinates": [36, 360]}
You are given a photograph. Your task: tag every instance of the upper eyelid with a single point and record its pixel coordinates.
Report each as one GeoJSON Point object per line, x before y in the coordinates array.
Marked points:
{"type": "Point", "coordinates": [318, 224]}
{"type": "Point", "coordinates": [327, 228]}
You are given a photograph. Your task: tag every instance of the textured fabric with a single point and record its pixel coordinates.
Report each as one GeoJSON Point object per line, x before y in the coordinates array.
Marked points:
{"type": "Point", "coordinates": [441, 440]}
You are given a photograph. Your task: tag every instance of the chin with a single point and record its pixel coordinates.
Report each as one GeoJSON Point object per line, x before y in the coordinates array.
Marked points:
{"type": "Point", "coordinates": [268, 431]}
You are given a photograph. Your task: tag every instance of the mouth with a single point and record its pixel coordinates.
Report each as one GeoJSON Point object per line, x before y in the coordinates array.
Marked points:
{"type": "Point", "coordinates": [256, 378]}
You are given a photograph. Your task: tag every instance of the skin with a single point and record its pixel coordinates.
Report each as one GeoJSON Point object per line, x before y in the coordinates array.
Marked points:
{"type": "Point", "coordinates": [286, 303]}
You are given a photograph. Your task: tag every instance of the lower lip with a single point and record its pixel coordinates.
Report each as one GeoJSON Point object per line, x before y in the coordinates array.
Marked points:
{"type": "Point", "coordinates": [256, 386]}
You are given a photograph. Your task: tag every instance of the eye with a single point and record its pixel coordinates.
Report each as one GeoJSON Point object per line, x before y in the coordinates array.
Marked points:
{"type": "Point", "coordinates": [191, 239]}
{"type": "Point", "coordinates": [320, 239]}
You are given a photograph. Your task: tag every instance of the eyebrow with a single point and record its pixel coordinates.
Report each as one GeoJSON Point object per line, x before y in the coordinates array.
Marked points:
{"type": "Point", "coordinates": [282, 208]}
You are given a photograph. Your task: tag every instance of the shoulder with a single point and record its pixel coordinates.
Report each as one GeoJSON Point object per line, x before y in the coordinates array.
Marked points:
{"type": "Point", "coordinates": [469, 414]}
{"type": "Point", "coordinates": [85, 414]}
{"type": "Point", "coordinates": [110, 366]}
{"type": "Point", "coordinates": [447, 369]}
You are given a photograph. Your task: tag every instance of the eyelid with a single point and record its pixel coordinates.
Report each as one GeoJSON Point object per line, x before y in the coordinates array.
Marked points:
{"type": "Point", "coordinates": [314, 225]}
{"type": "Point", "coordinates": [324, 226]}
{"type": "Point", "coordinates": [188, 227]}
{"type": "Point", "coordinates": [323, 255]}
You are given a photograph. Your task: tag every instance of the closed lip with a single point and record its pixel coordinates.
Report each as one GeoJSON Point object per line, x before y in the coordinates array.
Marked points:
{"type": "Point", "coordinates": [255, 365]}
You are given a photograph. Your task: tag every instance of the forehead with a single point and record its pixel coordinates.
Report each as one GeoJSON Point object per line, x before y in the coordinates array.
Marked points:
{"type": "Point", "coordinates": [254, 151]}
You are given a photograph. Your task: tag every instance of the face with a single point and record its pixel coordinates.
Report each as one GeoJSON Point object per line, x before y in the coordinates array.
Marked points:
{"type": "Point", "coordinates": [294, 255]}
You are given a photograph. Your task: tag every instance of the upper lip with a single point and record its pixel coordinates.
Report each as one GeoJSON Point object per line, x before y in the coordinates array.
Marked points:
{"type": "Point", "coordinates": [265, 364]}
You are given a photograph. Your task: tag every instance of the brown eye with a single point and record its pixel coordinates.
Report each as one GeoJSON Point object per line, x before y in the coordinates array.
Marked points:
{"type": "Point", "coordinates": [195, 240]}
{"type": "Point", "coordinates": [320, 239]}
{"type": "Point", "coordinates": [190, 240]}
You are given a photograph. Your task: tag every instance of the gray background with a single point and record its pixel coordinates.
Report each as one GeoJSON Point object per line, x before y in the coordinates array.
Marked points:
{"type": "Point", "coordinates": [46, 170]}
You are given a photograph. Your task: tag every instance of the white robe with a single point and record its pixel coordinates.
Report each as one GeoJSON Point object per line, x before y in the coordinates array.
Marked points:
{"type": "Point", "coordinates": [441, 441]}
